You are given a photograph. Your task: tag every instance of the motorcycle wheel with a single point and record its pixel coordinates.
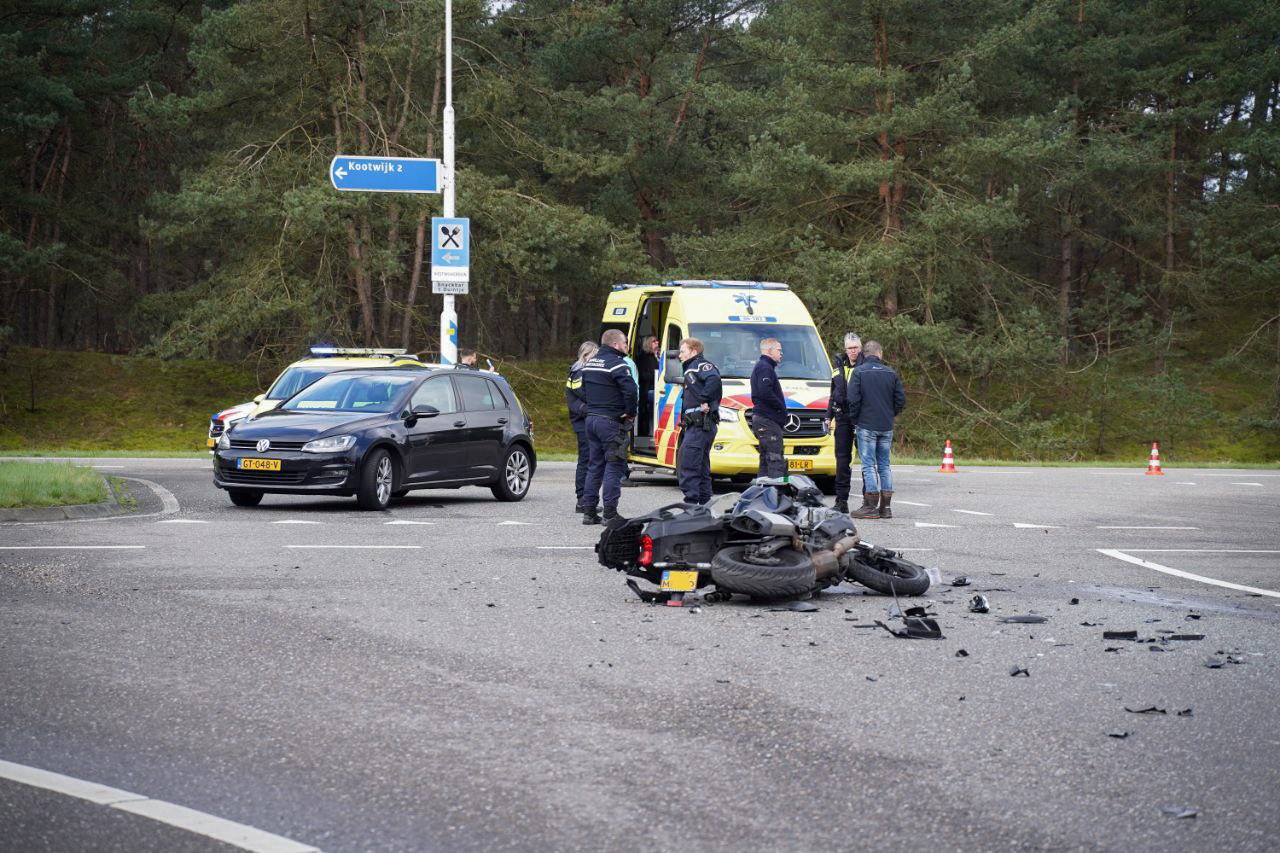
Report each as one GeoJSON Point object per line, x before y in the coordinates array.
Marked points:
{"type": "Point", "coordinates": [794, 575]}
{"type": "Point", "coordinates": [890, 575]}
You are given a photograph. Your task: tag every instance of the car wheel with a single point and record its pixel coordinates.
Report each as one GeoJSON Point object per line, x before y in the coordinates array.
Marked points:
{"type": "Point", "coordinates": [377, 481]}
{"type": "Point", "coordinates": [245, 497]}
{"type": "Point", "coordinates": [515, 476]}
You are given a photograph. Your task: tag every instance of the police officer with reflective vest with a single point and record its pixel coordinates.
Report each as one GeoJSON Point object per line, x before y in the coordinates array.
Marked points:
{"type": "Point", "coordinates": [575, 399]}
{"type": "Point", "coordinates": [612, 398]}
{"type": "Point", "coordinates": [838, 416]}
{"type": "Point", "coordinates": [699, 421]}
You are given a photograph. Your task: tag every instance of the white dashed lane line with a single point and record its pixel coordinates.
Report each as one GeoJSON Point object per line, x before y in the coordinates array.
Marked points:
{"type": "Point", "coordinates": [1247, 484]}
{"type": "Point", "coordinates": [190, 820]}
{"type": "Point", "coordinates": [296, 521]}
{"type": "Point", "coordinates": [971, 512]}
{"type": "Point", "coordinates": [72, 547]}
{"type": "Point", "coordinates": [931, 524]}
{"type": "Point", "coordinates": [1023, 526]}
{"type": "Point", "coordinates": [405, 521]}
{"type": "Point", "coordinates": [1101, 527]}
{"type": "Point", "coordinates": [1146, 564]}
{"type": "Point", "coordinates": [359, 547]}
{"type": "Point", "coordinates": [182, 521]}
{"type": "Point", "coordinates": [911, 503]}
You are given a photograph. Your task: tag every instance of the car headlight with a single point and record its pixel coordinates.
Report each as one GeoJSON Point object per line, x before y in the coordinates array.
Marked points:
{"type": "Point", "coordinates": [224, 441]}
{"type": "Point", "coordinates": [332, 444]}
{"type": "Point", "coordinates": [729, 416]}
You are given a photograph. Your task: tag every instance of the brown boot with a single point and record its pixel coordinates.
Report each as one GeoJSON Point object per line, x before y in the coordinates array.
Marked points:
{"type": "Point", "coordinates": [885, 497]}
{"type": "Point", "coordinates": [870, 506]}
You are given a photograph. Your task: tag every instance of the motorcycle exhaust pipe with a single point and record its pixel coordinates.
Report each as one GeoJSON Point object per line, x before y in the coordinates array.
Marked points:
{"type": "Point", "coordinates": [827, 562]}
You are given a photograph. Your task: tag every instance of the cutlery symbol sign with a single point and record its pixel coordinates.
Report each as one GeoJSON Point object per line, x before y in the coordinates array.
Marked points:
{"type": "Point", "coordinates": [450, 236]}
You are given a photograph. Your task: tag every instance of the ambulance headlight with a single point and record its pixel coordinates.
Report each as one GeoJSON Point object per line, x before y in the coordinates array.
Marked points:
{"type": "Point", "coordinates": [729, 416]}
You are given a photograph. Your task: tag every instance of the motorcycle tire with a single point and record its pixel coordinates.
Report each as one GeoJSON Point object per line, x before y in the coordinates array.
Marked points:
{"type": "Point", "coordinates": [794, 575]}
{"type": "Point", "coordinates": [889, 575]}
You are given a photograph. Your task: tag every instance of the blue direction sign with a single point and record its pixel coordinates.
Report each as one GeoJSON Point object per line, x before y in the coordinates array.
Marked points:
{"type": "Point", "coordinates": [352, 173]}
{"type": "Point", "coordinates": [450, 254]}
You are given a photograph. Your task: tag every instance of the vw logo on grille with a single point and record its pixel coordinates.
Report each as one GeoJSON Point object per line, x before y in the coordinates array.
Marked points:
{"type": "Point", "coordinates": [792, 424]}
{"type": "Point", "coordinates": [263, 444]}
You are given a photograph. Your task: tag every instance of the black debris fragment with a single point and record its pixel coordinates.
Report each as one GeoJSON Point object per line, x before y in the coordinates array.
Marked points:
{"type": "Point", "coordinates": [872, 678]}
{"type": "Point", "coordinates": [961, 653]}
{"type": "Point", "coordinates": [1179, 811]}
{"type": "Point", "coordinates": [979, 604]}
{"type": "Point", "coordinates": [1118, 735]}
{"type": "Point", "coordinates": [1090, 624]}
{"type": "Point", "coordinates": [1156, 649]}
{"type": "Point", "coordinates": [1152, 710]}
{"type": "Point", "coordinates": [1074, 601]}
{"type": "Point", "coordinates": [796, 607]}
{"type": "Point", "coordinates": [1185, 712]}
{"type": "Point", "coordinates": [1112, 649]}
{"type": "Point", "coordinates": [722, 681]}
{"type": "Point", "coordinates": [1186, 636]}
{"type": "Point", "coordinates": [1015, 671]}
{"type": "Point", "coordinates": [1193, 615]}
{"type": "Point", "coordinates": [1119, 635]}
{"type": "Point", "coordinates": [1028, 619]}
{"type": "Point", "coordinates": [1215, 663]}
{"type": "Point", "coordinates": [960, 581]}
{"type": "Point", "coordinates": [916, 629]}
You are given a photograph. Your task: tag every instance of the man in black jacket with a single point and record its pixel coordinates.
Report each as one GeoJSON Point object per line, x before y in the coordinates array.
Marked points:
{"type": "Point", "coordinates": [769, 410]}
{"type": "Point", "coordinates": [699, 421]}
{"type": "Point", "coordinates": [876, 397]}
{"type": "Point", "coordinates": [611, 407]}
{"type": "Point", "coordinates": [838, 416]}
{"type": "Point", "coordinates": [575, 399]}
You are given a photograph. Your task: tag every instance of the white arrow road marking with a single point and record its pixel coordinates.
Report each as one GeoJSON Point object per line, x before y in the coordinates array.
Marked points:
{"type": "Point", "coordinates": [219, 829]}
{"type": "Point", "coordinates": [296, 521]}
{"type": "Point", "coordinates": [181, 521]}
{"type": "Point", "coordinates": [1137, 561]}
{"type": "Point", "coordinates": [1036, 526]}
{"type": "Point", "coordinates": [911, 503]}
{"type": "Point", "coordinates": [928, 524]}
{"type": "Point", "coordinates": [525, 523]}
{"type": "Point", "coordinates": [970, 512]}
{"type": "Point", "coordinates": [406, 521]}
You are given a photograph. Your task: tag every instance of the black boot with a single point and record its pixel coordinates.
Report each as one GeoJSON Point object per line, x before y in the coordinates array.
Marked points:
{"type": "Point", "coordinates": [842, 506]}
{"type": "Point", "coordinates": [579, 508]}
{"type": "Point", "coordinates": [870, 506]}
{"type": "Point", "coordinates": [610, 512]}
{"type": "Point", "coordinates": [885, 511]}
{"type": "Point", "coordinates": [590, 516]}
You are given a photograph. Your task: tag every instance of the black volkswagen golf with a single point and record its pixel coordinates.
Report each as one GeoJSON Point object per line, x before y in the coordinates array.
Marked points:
{"type": "Point", "coordinates": [377, 433]}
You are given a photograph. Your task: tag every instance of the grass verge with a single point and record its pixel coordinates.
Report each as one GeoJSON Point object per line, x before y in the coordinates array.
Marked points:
{"type": "Point", "coordinates": [26, 484]}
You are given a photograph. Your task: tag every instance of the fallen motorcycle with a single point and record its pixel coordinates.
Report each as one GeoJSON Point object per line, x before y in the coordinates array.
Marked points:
{"type": "Point", "coordinates": [776, 541]}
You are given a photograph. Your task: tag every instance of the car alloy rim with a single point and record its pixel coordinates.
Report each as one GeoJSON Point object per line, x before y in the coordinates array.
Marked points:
{"type": "Point", "coordinates": [383, 477]}
{"type": "Point", "coordinates": [517, 472]}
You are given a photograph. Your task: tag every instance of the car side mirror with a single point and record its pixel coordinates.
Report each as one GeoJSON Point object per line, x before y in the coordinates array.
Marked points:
{"type": "Point", "coordinates": [424, 410]}
{"type": "Point", "coordinates": [673, 371]}
{"type": "Point", "coordinates": [259, 398]}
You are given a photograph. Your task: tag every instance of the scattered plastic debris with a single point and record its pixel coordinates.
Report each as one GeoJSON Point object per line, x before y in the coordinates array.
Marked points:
{"type": "Point", "coordinates": [1215, 663]}
{"type": "Point", "coordinates": [1074, 601]}
{"type": "Point", "coordinates": [1090, 624]}
{"type": "Point", "coordinates": [795, 607]}
{"type": "Point", "coordinates": [1186, 636]}
{"type": "Point", "coordinates": [1118, 735]}
{"type": "Point", "coordinates": [1194, 616]}
{"type": "Point", "coordinates": [1119, 635]}
{"type": "Point", "coordinates": [872, 678]}
{"type": "Point", "coordinates": [1152, 710]}
{"type": "Point", "coordinates": [917, 628]}
{"type": "Point", "coordinates": [1179, 811]}
{"type": "Point", "coordinates": [1112, 649]}
{"type": "Point", "coordinates": [1185, 712]}
{"type": "Point", "coordinates": [961, 653]}
{"type": "Point", "coordinates": [1015, 671]}
{"type": "Point", "coordinates": [1027, 619]}
{"type": "Point", "coordinates": [961, 581]}
{"type": "Point", "coordinates": [979, 604]}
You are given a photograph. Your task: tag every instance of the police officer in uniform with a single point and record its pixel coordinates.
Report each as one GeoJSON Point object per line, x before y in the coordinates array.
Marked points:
{"type": "Point", "coordinates": [699, 421]}
{"type": "Point", "coordinates": [611, 396]}
{"type": "Point", "coordinates": [575, 399]}
{"type": "Point", "coordinates": [838, 416]}
{"type": "Point", "coordinates": [769, 410]}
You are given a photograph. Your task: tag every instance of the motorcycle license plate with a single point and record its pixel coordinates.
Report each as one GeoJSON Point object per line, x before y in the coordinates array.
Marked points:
{"type": "Point", "coordinates": [258, 464]}
{"type": "Point", "coordinates": [799, 464]}
{"type": "Point", "coordinates": [673, 581]}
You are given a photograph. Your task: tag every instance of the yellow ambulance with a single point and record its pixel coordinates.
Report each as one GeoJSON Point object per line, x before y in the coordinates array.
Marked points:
{"type": "Point", "coordinates": [730, 318]}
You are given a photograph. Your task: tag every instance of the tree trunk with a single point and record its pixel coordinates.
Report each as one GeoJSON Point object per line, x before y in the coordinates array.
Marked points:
{"type": "Point", "coordinates": [415, 278]}
{"type": "Point", "coordinates": [891, 187]}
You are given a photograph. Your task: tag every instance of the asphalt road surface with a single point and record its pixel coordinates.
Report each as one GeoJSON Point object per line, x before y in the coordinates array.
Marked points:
{"type": "Point", "coordinates": [457, 673]}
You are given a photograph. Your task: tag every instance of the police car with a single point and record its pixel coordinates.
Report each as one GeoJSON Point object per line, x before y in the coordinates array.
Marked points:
{"type": "Point", "coordinates": [302, 373]}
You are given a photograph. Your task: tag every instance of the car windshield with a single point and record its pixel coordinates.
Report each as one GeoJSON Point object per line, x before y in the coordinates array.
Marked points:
{"type": "Point", "coordinates": [735, 349]}
{"type": "Point", "coordinates": [344, 393]}
{"type": "Point", "coordinates": [294, 380]}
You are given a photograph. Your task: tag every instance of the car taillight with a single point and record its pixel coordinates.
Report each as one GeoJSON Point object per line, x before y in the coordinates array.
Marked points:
{"type": "Point", "coordinates": [646, 550]}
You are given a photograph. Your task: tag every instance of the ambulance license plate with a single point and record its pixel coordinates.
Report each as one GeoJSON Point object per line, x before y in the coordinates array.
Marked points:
{"type": "Point", "coordinates": [799, 464]}
{"type": "Point", "coordinates": [258, 464]}
{"type": "Point", "coordinates": [679, 581]}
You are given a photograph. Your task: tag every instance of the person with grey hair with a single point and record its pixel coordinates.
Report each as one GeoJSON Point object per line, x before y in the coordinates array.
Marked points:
{"type": "Point", "coordinates": [838, 416]}
{"type": "Point", "coordinates": [769, 410]}
{"type": "Point", "coordinates": [876, 397]}
{"type": "Point", "coordinates": [611, 395]}
{"type": "Point", "coordinates": [575, 399]}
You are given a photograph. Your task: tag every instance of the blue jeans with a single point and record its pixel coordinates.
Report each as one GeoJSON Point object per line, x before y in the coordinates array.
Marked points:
{"type": "Point", "coordinates": [873, 447]}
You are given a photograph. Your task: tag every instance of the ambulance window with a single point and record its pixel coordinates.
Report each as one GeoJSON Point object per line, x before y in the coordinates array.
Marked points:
{"type": "Point", "coordinates": [674, 337]}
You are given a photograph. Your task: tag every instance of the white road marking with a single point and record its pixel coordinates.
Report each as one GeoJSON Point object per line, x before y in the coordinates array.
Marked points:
{"type": "Point", "coordinates": [190, 820]}
{"type": "Point", "coordinates": [405, 521]}
{"type": "Point", "coordinates": [372, 547]}
{"type": "Point", "coordinates": [980, 471]}
{"type": "Point", "coordinates": [181, 521]}
{"type": "Point", "coordinates": [525, 523]}
{"type": "Point", "coordinates": [1138, 561]}
{"type": "Point", "coordinates": [1181, 483]}
{"type": "Point", "coordinates": [1147, 528]}
{"type": "Point", "coordinates": [911, 503]}
{"type": "Point", "coordinates": [1198, 551]}
{"type": "Point", "coordinates": [108, 467]}
{"type": "Point", "coordinates": [970, 512]}
{"type": "Point", "coordinates": [71, 547]}
{"type": "Point", "coordinates": [169, 504]}
{"type": "Point", "coordinates": [928, 524]}
{"type": "Point", "coordinates": [1247, 484]}
{"type": "Point", "coordinates": [296, 521]}
{"type": "Point", "coordinates": [565, 547]}
{"type": "Point", "coordinates": [1036, 526]}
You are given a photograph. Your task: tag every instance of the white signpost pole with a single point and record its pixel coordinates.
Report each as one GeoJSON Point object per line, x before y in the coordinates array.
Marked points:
{"type": "Point", "coordinates": [448, 318]}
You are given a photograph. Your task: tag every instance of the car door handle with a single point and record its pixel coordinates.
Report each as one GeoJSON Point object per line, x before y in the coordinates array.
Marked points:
{"type": "Point", "coordinates": [459, 423]}
{"type": "Point", "coordinates": [502, 420]}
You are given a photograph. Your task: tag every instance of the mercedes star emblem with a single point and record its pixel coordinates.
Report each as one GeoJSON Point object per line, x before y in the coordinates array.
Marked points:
{"type": "Point", "coordinates": [792, 424]}
{"type": "Point", "coordinates": [263, 444]}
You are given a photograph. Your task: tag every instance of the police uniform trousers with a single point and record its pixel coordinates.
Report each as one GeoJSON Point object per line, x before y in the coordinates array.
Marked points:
{"type": "Point", "coordinates": [844, 435]}
{"type": "Point", "coordinates": [694, 469]}
{"type": "Point", "coordinates": [769, 439]}
{"type": "Point", "coordinates": [606, 462]}
{"type": "Point", "coordinates": [584, 457]}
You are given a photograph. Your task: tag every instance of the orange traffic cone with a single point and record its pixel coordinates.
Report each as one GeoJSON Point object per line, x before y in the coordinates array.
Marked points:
{"type": "Point", "coordinates": [948, 461]}
{"type": "Point", "coordinates": [1153, 464]}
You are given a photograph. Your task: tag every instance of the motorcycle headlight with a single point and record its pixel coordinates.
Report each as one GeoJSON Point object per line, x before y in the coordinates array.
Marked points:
{"type": "Point", "coordinates": [729, 416]}
{"type": "Point", "coordinates": [224, 441]}
{"type": "Point", "coordinates": [332, 444]}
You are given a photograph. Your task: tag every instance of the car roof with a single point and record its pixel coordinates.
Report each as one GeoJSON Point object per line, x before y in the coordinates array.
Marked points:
{"type": "Point", "coordinates": [344, 362]}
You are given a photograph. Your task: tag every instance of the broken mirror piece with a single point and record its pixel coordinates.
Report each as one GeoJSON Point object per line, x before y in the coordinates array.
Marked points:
{"type": "Point", "coordinates": [979, 604]}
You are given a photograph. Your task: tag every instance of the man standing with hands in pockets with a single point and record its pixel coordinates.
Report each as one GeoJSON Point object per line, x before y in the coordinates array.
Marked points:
{"type": "Point", "coordinates": [876, 397]}
{"type": "Point", "coordinates": [769, 407]}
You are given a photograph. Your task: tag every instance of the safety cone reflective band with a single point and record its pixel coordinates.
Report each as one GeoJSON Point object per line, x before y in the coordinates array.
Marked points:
{"type": "Point", "coordinates": [1153, 464]}
{"type": "Point", "coordinates": [948, 461]}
